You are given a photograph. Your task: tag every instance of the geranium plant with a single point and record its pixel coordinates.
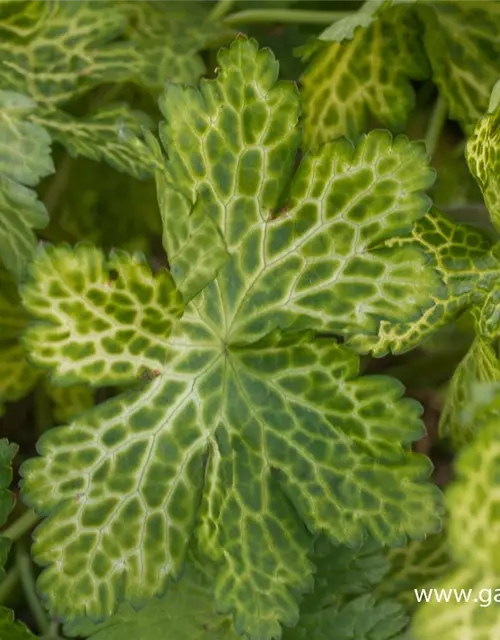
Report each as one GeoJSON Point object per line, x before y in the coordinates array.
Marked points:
{"type": "Point", "coordinates": [223, 294]}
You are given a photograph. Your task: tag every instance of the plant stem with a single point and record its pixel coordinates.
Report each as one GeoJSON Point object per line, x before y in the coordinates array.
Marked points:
{"type": "Point", "coordinates": [220, 10]}
{"type": "Point", "coordinates": [58, 184]}
{"type": "Point", "coordinates": [21, 526]}
{"type": "Point", "coordinates": [23, 561]}
{"type": "Point", "coordinates": [53, 632]}
{"type": "Point", "coordinates": [9, 583]}
{"type": "Point", "coordinates": [438, 118]}
{"type": "Point", "coordinates": [255, 16]}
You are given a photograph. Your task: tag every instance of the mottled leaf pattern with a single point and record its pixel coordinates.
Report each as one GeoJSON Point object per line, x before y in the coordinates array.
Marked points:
{"type": "Point", "coordinates": [479, 365]}
{"type": "Point", "coordinates": [483, 156]}
{"type": "Point", "coordinates": [186, 612]}
{"type": "Point", "coordinates": [57, 51]}
{"type": "Point", "coordinates": [468, 268]}
{"type": "Point", "coordinates": [24, 159]}
{"type": "Point", "coordinates": [245, 438]}
{"type": "Point", "coordinates": [102, 321]}
{"type": "Point", "coordinates": [169, 36]}
{"type": "Point", "coordinates": [460, 39]}
{"type": "Point", "coordinates": [363, 65]}
{"type": "Point", "coordinates": [420, 564]}
{"type": "Point", "coordinates": [364, 69]}
{"type": "Point", "coordinates": [17, 376]}
{"type": "Point", "coordinates": [112, 134]}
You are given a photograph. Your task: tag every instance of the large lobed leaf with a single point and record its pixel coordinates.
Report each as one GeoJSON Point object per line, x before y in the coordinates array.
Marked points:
{"type": "Point", "coordinates": [253, 433]}
{"type": "Point", "coordinates": [56, 52]}
{"type": "Point", "coordinates": [24, 159]}
{"type": "Point", "coordinates": [361, 68]}
{"type": "Point", "coordinates": [363, 65]}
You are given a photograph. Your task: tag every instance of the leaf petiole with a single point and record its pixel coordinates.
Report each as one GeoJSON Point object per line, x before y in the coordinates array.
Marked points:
{"type": "Point", "coordinates": [256, 16]}
{"type": "Point", "coordinates": [24, 563]}
{"type": "Point", "coordinates": [436, 123]}
{"type": "Point", "coordinates": [21, 526]}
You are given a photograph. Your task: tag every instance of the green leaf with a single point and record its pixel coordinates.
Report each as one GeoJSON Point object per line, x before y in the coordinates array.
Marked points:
{"type": "Point", "coordinates": [326, 246]}
{"type": "Point", "coordinates": [483, 157]}
{"type": "Point", "coordinates": [474, 527]}
{"type": "Point", "coordinates": [24, 159]}
{"type": "Point", "coordinates": [363, 65]}
{"type": "Point", "coordinates": [111, 134]}
{"type": "Point", "coordinates": [251, 439]}
{"type": "Point", "coordinates": [364, 70]}
{"type": "Point", "coordinates": [468, 268]}
{"type": "Point", "coordinates": [17, 376]}
{"type": "Point", "coordinates": [11, 629]}
{"type": "Point", "coordinates": [102, 321]}
{"type": "Point", "coordinates": [7, 453]}
{"type": "Point", "coordinates": [169, 36]}
{"type": "Point", "coordinates": [360, 619]}
{"type": "Point", "coordinates": [186, 612]}
{"type": "Point", "coordinates": [56, 52]}
{"type": "Point", "coordinates": [343, 572]}
{"type": "Point", "coordinates": [480, 365]}
{"type": "Point", "coordinates": [461, 43]}
{"type": "Point", "coordinates": [419, 564]}
{"type": "Point", "coordinates": [195, 246]}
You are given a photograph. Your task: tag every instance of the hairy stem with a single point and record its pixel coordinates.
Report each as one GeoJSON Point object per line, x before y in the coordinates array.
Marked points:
{"type": "Point", "coordinates": [436, 123]}
{"type": "Point", "coordinates": [221, 9]}
{"type": "Point", "coordinates": [23, 561]}
{"type": "Point", "coordinates": [8, 584]}
{"type": "Point", "coordinates": [255, 16]}
{"type": "Point", "coordinates": [21, 526]}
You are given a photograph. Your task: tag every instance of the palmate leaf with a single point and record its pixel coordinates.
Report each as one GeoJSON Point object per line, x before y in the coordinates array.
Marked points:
{"type": "Point", "coordinates": [250, 437]}
{"type": "Point", "coordinates": [363, 67]}
{"type": "Point", "coordinates": [17, 376]}
{"type": "Point", "coordinates": [56, 51]}
{"type": "Point", "coordinates": [24, 159]}
{"type": "Point", "coordinates": [474, 532]}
